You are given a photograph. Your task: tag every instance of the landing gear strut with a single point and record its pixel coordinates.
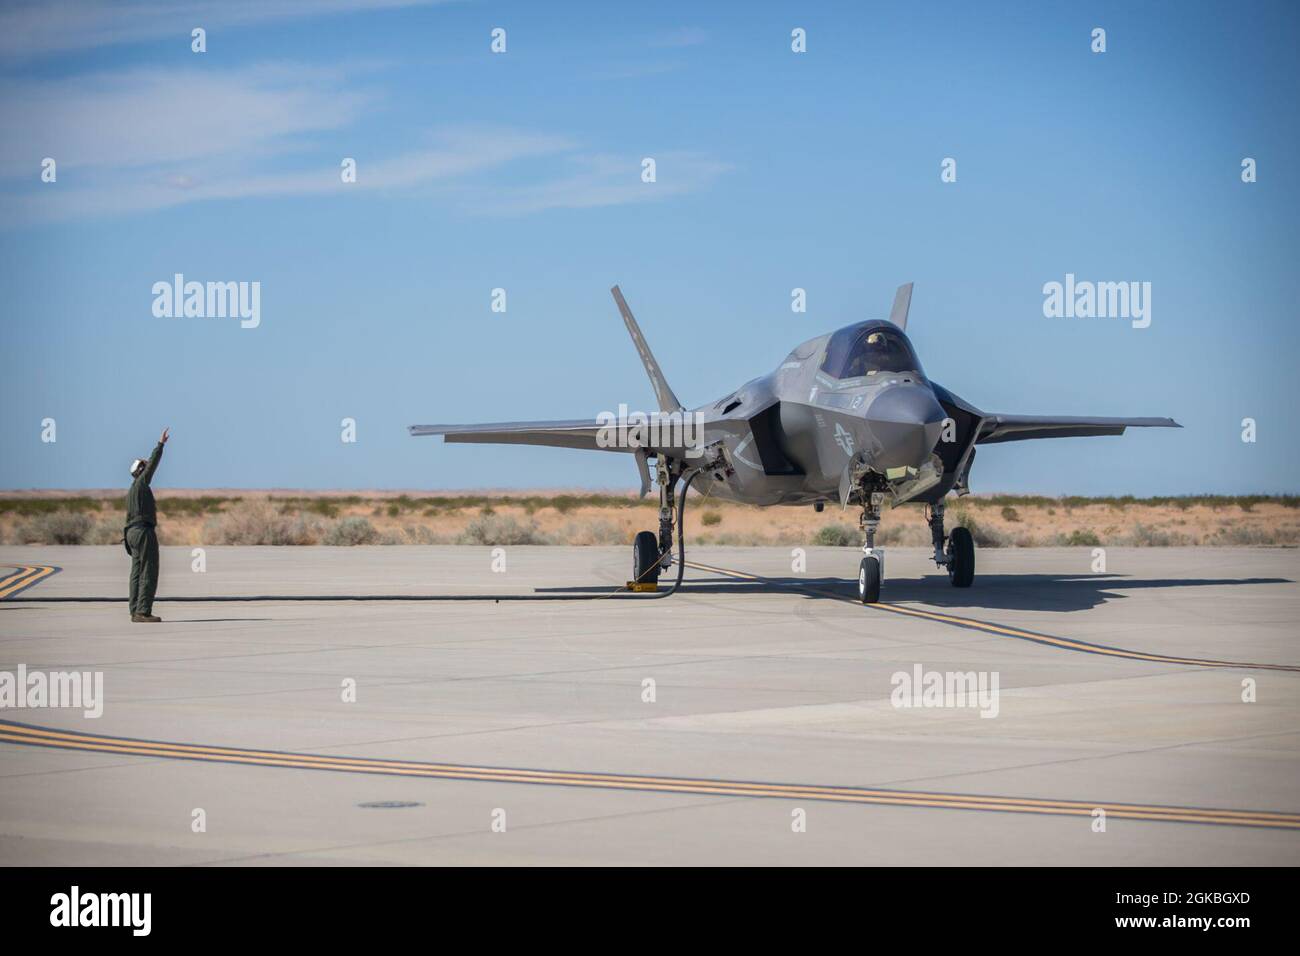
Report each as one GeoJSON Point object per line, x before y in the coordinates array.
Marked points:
{"type": "Point", "coordinates": [871, 572]}
{"type": "Point", "coordinates": [667, 508]}
{"type": "Point", "coordinates": [955, 551]}
{"type": "Point", "coordinates": [650, 553]}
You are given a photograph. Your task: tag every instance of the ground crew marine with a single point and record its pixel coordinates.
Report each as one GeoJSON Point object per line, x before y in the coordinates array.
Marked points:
{"type": "Point", "coordinates": [141, 535]}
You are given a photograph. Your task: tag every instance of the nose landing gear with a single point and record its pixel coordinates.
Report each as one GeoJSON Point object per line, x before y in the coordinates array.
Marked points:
{"type": "Point", "coordinates": [954, 552]}
{"type": "Point", "coordinates": [871, 572]}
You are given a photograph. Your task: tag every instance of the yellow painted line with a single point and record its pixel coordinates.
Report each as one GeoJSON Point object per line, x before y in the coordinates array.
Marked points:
{"type": "Point", "coordinates": [1050, 640]}
{"type": "Point", "coordinates": [31, 576]}
{"type": "Point", "coordinates": [24, 577]}
{"type": "Point", "coordinates": [12, 580]}
{"type": "Point", "coordinates": [43, 737]}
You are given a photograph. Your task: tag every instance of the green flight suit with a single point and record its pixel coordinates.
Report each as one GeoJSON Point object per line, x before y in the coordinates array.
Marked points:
{"type": "Point", "coordinates": [142, 537]}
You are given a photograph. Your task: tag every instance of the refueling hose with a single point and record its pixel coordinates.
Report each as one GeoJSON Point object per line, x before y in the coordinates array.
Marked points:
{"type": "Point", "coordinates": [681, 542]}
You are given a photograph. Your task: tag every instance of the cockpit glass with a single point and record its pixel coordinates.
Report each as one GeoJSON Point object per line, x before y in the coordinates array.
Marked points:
{"type": "Point", "coordinates": [855, 351]}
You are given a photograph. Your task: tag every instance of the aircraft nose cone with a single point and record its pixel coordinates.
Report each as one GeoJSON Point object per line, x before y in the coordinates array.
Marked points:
{"type": "Point", "coordinates": [907, 421]}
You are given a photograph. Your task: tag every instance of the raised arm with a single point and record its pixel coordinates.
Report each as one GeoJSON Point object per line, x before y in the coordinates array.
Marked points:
{"type": "Point", "coordinates": [155, 457]}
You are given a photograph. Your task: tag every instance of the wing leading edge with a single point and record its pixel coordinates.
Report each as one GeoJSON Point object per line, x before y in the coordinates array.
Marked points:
{"type": "Point", "coordinates": [673, 433]}
{"type": "Point", "coordinates": [575, 433]}
{"type": "Point", "coordinates": [1002, 428]}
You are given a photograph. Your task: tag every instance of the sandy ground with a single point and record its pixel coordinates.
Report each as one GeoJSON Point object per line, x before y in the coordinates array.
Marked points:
{"type": "Point", "coordinates": [218, 516]}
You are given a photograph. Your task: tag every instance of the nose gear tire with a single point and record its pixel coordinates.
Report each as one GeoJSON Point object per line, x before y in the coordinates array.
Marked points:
{"type": "Point", "coordinates": [869, 580]}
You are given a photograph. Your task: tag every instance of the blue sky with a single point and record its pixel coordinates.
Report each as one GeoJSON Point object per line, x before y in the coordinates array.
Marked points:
{"type": "Point", "coordinates": [522, 171]}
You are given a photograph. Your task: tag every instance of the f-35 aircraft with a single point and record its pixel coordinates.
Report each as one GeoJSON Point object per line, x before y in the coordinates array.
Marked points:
{"type": "Point", "coordinates": [848, 417]}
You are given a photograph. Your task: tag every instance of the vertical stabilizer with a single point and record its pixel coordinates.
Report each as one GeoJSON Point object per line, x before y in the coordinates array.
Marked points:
{"type": "Point", "coordinates": [667, 400]}
{"type": "Point", "coordinates": [902, 302]}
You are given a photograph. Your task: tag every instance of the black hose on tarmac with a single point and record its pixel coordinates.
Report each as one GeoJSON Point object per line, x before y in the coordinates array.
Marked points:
{"type": "Point", "coordinates": [681, 541]}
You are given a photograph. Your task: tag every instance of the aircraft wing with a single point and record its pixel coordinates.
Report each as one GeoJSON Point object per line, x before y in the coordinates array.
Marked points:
{"type": "Point", "coordinates": [575, 433]}
{"type": "Point", "coordinates": [583, 433]}
{"type": "Point", "coordinates": [660, 431]}
{"type": "Point", "coordinates": [1000, 428]}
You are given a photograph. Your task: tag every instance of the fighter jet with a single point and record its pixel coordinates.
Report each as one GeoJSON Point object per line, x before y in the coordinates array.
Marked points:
{"type": "Point", "coordinates": [849, 417]}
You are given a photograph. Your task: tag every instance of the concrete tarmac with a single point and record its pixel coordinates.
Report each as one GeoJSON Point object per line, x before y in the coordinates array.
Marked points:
{"type": "Point", "coordinates": [703, 728]}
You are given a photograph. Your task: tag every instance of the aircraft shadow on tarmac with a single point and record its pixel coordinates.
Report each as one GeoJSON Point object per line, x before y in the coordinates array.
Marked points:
{"type": "Point", "coordinates": [1010, 592]}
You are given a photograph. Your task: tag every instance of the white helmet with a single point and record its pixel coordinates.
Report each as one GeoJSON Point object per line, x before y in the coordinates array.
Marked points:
{"type": "Point", "coordinates": [136, 463]}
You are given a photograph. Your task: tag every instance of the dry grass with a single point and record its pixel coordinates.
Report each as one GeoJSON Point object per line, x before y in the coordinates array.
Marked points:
{"type": "Point", "coordinates": [585, 518]}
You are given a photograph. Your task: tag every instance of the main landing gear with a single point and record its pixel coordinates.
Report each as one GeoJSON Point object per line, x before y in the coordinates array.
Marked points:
{"type": "Point", "coordinates": [651, 555]}
{"type": "Point", "coordinates": [954, 551]}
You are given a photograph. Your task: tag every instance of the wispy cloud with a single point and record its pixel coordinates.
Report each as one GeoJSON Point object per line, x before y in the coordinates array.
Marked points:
{"type": "Point", "coordinates": [154, 118]}
{"type": "Point", "coordinates": [681, 37]}
{"type": "Point", "coordinates": [144, 140]}
{"type": "Point", "coordinates": [451, 154]}
{"type": "Point", "coordinates": [603, 180]}
{"type": "Point", "coordinates": [34, 28]}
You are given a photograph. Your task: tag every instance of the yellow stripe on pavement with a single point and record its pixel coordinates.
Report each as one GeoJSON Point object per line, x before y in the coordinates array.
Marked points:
{"type": "Point", "coordinates": [24, 576]}
{"type": "Point", "coordinates": [43, 737]}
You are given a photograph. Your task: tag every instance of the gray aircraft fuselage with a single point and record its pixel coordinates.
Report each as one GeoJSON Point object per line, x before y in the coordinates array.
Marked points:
{"type": "Point", "coordinates": [792, 433]}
